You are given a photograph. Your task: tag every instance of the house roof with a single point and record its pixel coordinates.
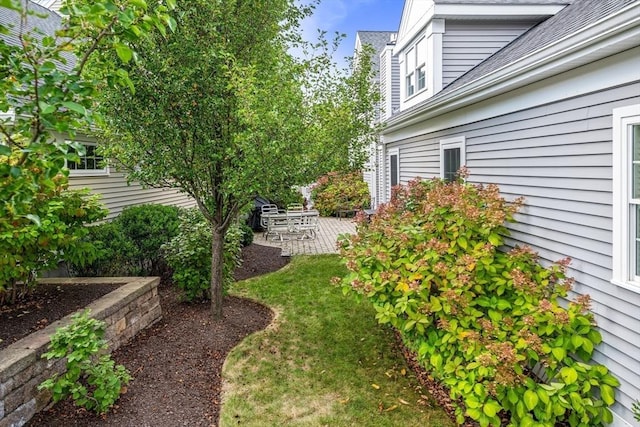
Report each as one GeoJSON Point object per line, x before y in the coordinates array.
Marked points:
{"type": "Point", "coordinates": [39, 20]}
{"type": "Point", "coordinates": [578, 15]}
{"type": "Point", "coordinates": [377, 40]}
{"type": "Point", "coordinates": [582, 32]}
{"type": "Point", "coordinates": [505, 2]}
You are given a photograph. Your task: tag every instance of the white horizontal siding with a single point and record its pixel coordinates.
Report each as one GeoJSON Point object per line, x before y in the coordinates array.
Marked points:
{"type": "Point", "coordinates": [466, 44]}
{"type": "Point", "coordinates": [116, 194]}
{"type": "Point", "coordinates": [559, 157]}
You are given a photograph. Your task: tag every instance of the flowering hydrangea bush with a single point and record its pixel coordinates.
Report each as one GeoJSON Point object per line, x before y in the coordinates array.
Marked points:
{"type": "Point", "coordinates": [335, 191]}
{"type": "Point", "coordinates": [479, 319]}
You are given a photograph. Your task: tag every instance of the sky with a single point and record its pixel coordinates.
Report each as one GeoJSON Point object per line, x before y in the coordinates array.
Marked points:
{"type": "Point", "coordinates": [350, 16]}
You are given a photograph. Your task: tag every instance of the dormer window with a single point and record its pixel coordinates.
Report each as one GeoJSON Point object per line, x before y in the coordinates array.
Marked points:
{"type": "Point", "coordinates": [416, 68]}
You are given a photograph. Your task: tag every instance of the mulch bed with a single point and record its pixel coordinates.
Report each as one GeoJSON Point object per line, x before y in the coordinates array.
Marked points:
{"type": "Point", "coordinates": [177, 363]}
{"type": "Point", "coordinates": [47, 304]}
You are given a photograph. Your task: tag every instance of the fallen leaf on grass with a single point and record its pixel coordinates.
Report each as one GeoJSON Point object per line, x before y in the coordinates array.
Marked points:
{"type": "Point", "coordinates": [404, 402]}
{"type": "Point", "coordinates": [376, 386]}
{"type": "Point", "coordinates": [391, 408]}
{"type": "Point", "coordinates": [344, 401]}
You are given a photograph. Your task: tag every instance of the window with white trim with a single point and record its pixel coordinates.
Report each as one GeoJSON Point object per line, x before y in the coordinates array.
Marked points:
{"type": "Point", "coordinates": [90, 162]}
{"type": "Point", "coordinates": [452, 157]}
{"type": "Point", "coordinates": [416, 68]}
{"type": "Point", "coordinates": [394, 167]}
{"type": "Point", "coordinates": [626, 197]}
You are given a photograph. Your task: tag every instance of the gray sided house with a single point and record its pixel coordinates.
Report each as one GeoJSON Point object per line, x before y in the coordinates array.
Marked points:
{"type": "Point", "coordinates": [91, 172]}
{"type": "Point", "coordinates": [382, 44]}
{"type": "Point", "coordinates": [543, 99]}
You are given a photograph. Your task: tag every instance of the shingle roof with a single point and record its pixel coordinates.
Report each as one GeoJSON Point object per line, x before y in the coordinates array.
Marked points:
{"type": "Point", "coordinates": [572, 18]}
{"type": "Point", "coordinates": [40, 18]}
{"type": "Point", "coordinates": [505, 2]}
{"type": "Point", "coordinates": [377, 40]}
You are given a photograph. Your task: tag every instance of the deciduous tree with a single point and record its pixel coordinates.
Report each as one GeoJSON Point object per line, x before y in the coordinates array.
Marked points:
{"type": "Point", "coordinates": [222, 111]}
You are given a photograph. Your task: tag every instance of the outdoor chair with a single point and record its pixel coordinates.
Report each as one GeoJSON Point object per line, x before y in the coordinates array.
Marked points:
{"type": "Point", "coordinates": [267, 209]}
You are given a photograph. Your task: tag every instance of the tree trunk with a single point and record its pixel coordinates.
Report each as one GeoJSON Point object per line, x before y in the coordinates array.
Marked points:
{"type": "Point", "coordinates": [217, 265]}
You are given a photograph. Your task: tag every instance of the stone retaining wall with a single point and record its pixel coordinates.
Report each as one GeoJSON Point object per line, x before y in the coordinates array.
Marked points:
{"type": "Point", "coordinates": [127, 310]}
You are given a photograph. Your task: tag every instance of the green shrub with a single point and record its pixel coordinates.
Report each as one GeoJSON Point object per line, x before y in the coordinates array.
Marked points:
{"type": "Point", "coordinates": [149, 227]}
{"type": "Point", "coordinates": [94, 382]}
{"type": "Point", "coordinates": [189, 255]}
{"type": "Point", "coordinates": [47, 231]}
{"type": "Point", "coordinates": [246, 234]}
{"type": "Point", "coordinates": [115, 253]}
{"type": "Point", "coordinates": [336, 191]}
{"type": "Point", "coordinates": [478, 318]}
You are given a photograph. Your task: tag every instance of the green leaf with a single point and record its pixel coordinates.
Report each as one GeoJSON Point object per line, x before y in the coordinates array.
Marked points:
{"type": "Point", "coordinates": [608, 394]}
{"type": "Point", "coordinates": [74, 106]}
{"type": "Point", "coordinates": [559, 353]}
{"type": "Point", "coordinates": [495, 315]}
{"type": "Point", "coordinates": [610, 380]}
{"type": "Point", "coordinates": [171, 23]}
{"type": "Point", "coordinates": [46, 108]}
{"type": "Point", "coordinates": [462, 242]}
{"type": "Point", "coordinates": [124, 52]}
{"type": "Point", "coordinates": [5, 150]}
{"type": "Point", "coordinates": [436, 360]}
{"type": "Point", "coordinates": [491, 408]}
{"type": "Point", "coordinates": [530, 399]}
{"type": "Point", "coordinates": [495, 239]}
{"type": "Point", "coordinates": [587, 346]}
{"type": "Point", "coordinates": [576, 340]}
{"type": "Point", "coordinates": [34, 218]}
{"type": "Point", "coordinates": [435, 304]}
{"type": "Point", "coordinates": [568, 374]}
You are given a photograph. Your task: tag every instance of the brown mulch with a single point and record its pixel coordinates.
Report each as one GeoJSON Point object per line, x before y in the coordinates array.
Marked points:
{"type": "Point", "coordinates": [47, 304]}
{"type": "Point", "coordinates": [177, 363]}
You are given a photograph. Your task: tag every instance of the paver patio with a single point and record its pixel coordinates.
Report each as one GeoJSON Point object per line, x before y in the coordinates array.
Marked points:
{"type": "Point", "coordinates": [329, 229]}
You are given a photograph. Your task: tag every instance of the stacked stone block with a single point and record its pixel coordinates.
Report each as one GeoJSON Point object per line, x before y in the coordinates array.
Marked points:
{"type": "Point", "coordinates": [127, 310]}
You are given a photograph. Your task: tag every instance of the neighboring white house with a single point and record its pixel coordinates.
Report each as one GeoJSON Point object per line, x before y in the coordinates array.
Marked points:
{"type": "Point", "coordinates": [543, 99]}
{"type": "Point", "coordinates": [380, 42]}
{"type": "Point", "coordinates": [91, 171]}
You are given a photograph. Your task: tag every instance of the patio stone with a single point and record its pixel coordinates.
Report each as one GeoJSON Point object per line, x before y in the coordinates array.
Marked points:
{"type": "Point", "coordinates": [329, 229]}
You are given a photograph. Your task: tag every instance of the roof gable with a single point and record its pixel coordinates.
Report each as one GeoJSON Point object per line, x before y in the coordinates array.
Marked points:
{"type": "Point", "coordinates": [413, 16]}
{"type": "Point", "coordinates": [580, 14]}
{"type": "Point", "coordinates": [378, 40]}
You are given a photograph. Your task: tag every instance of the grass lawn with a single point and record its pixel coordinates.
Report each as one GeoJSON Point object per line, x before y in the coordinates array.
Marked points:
{"type": "Point", "coordinates": [323, 361]}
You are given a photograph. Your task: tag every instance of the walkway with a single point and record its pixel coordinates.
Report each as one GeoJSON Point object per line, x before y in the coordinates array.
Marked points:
{"type": "Point", "coordinates": [329, 229]}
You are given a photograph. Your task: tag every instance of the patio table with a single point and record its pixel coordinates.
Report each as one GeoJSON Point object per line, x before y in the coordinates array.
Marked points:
{"type": "Point", "coordinates": [282, 225]}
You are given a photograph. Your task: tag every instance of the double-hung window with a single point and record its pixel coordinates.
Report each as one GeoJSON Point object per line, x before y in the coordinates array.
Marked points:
{"type": "Point", "coordinates": [90, 162]}
{"type": "Point", "coordinates": [452, 157]}
{"type": "Point", "coordinates": [394, 170]}
{"type": "Point", "coordinates": [410, 62]}
{"type": "Point", "coordinates": [416, 68]}
{"type": "Point", "coordinates": [626, 197]}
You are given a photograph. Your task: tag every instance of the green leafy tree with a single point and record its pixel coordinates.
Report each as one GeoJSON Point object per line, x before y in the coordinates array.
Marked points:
{"type": "Point", "coordinates": [46, 87]}
{"type": "Point", "coordinates": [342, 107]}
{"type": "Point", "coordinates": [222, 111]}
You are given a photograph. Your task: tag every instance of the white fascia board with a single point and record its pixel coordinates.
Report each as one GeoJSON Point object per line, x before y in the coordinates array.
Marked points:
{"type": "Point", "coordinates": [496, 11]}
{"type": "Point", "coordinates": [611, 35]}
